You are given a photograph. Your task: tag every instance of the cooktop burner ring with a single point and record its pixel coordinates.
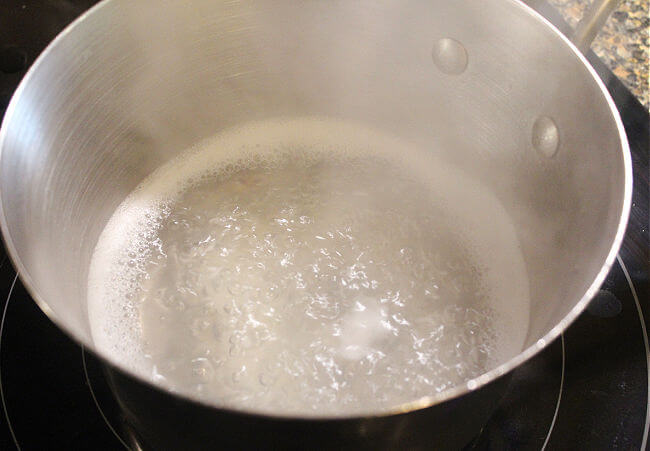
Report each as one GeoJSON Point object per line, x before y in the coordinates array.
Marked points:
{"type": "Point", "coordinates": [559, 396]}
{"type": "Point", "coordinates": [96, 401]}
{"type": "Point", "coordinates": [639, 310]}
{"type": "Point", "coordinates": [2, 325]}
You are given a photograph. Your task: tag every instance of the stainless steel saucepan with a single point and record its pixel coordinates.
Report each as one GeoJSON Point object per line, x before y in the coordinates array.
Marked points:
{"type": "Point", "coordinates": [503, 93]}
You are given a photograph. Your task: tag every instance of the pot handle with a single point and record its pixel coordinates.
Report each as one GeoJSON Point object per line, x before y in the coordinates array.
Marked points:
{"type": "Point", "coordinates": [592, 22]}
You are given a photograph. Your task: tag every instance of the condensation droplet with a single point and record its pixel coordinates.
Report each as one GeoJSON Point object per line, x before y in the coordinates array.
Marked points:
{"type": "Point", "coordinates": [545, 136]}
{"type": "Point", "coordinates": [450, 56]}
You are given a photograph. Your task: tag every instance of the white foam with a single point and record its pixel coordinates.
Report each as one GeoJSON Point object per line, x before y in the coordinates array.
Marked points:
{"type": "Point", "coordinates": [130, 236]}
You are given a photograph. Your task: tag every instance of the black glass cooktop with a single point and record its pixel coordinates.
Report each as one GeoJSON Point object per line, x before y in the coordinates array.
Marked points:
{"type": "Point", "coordinates": [587, 390]}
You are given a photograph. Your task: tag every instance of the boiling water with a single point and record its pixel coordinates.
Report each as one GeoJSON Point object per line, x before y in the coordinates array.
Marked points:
{"type": "Point", "coordinates": [308, 267]}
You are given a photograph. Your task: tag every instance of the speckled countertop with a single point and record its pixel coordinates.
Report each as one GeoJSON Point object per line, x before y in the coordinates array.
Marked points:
{"type": "Point", "coordinates": [623, 42]}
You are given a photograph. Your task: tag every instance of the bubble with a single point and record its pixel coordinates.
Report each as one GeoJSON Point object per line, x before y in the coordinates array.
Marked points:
{"type": "Point", "coordinates": [200, 326]}
{"type": "Point", "coordinates": [238, 375]}
{"type": "Point", "coordinates": [202, 370]}
{"type": "Point", "coordinates": [545, 136]}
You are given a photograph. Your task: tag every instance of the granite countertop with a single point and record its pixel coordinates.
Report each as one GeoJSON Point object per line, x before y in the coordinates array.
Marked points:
{"type": "Point", "coordinates": [622, 43]}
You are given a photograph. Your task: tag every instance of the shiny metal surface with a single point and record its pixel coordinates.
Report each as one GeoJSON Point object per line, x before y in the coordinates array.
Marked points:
{"type": "Point", "coordinates": [131, 84]}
